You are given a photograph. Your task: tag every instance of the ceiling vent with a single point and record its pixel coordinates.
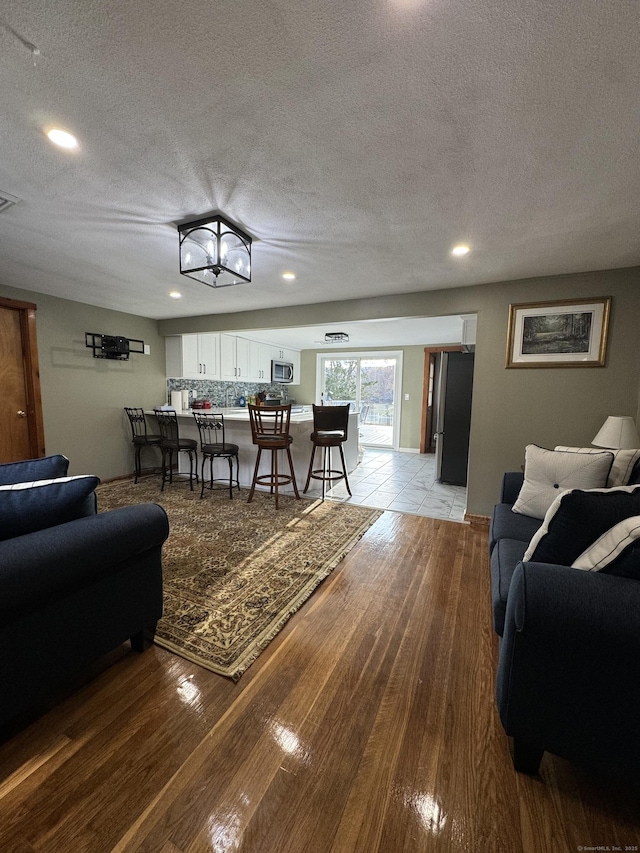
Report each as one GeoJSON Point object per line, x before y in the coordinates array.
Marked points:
{"type": "Point", "coordinates": [7, 201]}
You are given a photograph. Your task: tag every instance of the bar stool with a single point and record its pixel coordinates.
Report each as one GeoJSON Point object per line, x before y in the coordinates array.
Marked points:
{"type": "Point", "coordinates": [141, 438]}
{"type": "Point", "coordinates": [214, 446]}
{"type": "Point", "coordinates": [330, 429]}
{"type": "Point", "coordinates": [172, 443]}
{"type": "Point", "coordinates": [270, 431]}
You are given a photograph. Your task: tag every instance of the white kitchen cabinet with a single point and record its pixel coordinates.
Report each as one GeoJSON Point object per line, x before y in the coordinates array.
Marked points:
{"type": "Point", "coordinates": [193, 356]}
{"type": "Point", "coordinates": [259, 361]}
{"type": "Point", "coordinates": [234, 358]}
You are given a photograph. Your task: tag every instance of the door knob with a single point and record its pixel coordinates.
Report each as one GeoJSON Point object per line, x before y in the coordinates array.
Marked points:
{"type": "Point", "coordinates": [21, 414]}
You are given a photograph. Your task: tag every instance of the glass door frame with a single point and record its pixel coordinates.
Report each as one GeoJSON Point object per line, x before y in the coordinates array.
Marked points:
{"type": "Point", "coordinates": [359, 354]}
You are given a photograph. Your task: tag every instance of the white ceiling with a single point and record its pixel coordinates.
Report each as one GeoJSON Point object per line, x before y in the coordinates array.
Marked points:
{"type": "Point", "coordinates": [395, 331]}
{"type": "Point", "coordinates": [357, 142]}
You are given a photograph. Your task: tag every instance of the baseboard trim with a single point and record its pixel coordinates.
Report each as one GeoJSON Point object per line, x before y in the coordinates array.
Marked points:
{"type": "Point", "coordinates": [476, 519]}
{"type": "Point", "coordinates": [408, 450]}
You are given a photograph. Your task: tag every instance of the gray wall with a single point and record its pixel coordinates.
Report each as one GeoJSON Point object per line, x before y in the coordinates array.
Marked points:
{"type": "Point", "coordinates": [511, 408]}
{"type": "Point", "coordinates": [83, 397]}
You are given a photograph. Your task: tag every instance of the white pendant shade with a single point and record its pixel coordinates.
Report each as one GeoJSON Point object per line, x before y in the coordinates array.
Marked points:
{"type": "Point", "coordinates": [618, 431]}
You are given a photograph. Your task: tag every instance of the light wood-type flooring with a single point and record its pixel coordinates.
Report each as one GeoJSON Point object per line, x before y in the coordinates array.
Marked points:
{"type": "Point", "coordinates": [368, 725]}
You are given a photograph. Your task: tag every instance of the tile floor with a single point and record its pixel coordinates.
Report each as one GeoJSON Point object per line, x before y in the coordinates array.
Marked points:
{"type": "Point", "coordinates": [404, 482]}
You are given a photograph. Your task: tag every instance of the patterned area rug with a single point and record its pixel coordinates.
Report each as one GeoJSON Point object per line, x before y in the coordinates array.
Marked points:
{"type": "Point", "coordinates": [235, 572]}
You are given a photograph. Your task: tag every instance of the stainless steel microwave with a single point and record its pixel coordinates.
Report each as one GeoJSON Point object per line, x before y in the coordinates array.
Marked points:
{"type": "Point", "coordinates": [281, 371]}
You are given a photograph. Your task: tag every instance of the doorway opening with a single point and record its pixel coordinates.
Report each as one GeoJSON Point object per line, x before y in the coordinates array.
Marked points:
{"type": "Point", "coordinates": [21, 424]}
{"type": "Point", "coordinates": [446, 421]}
{"type": "Point", "coordinates": [371, 384]}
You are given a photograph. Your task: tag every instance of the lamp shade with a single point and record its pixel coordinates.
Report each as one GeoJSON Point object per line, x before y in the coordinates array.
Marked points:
{"type": "Point", "coordinates": [618, 431]}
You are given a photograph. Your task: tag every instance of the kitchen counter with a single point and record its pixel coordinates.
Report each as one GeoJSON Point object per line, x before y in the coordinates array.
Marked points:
{"type": "Point", "coordinates": [238, 431]}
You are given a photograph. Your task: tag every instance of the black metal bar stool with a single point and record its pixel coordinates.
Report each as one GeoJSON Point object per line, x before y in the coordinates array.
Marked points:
{"type": "Point", "coordinates": [330, 429]}
{"type": "Point", "coordinates": [270, 431]}
{"type": "Point", "coordinates": [141, 438]}
{"type": "Point", "coordinates": [213, 445]}
{"type": "Point", "coordinates": [172, 443]}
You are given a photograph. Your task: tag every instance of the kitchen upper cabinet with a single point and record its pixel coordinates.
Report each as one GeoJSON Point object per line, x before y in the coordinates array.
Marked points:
{"type": "Point", "coordinates": [234, 358]}
{"type": "Point", "coordinates": [229, 358]}
{"type": "Point", "coordinates": [259, 361]}
{"type": "Point", "coordinates": [193, 356]}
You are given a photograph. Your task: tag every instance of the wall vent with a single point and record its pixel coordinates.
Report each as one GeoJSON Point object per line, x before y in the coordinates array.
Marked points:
{"type": "Point", "coordinates": [7, 201]}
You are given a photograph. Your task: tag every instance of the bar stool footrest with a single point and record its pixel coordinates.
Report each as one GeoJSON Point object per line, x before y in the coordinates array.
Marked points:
{"type": "Point", "coordinates": [329, 474]}
{"type": "Point", "coordinates": [270, 480]}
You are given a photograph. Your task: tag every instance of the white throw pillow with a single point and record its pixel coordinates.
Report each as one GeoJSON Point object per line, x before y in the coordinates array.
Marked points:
{"type": "Point", "coordinates": [609, 546]}
{"type": "Point", "coordinates": [35, 484]}
{"type": "Point", "coordinates": [623, 462]}
{"type": "Point", "coordinates": [549, 472]}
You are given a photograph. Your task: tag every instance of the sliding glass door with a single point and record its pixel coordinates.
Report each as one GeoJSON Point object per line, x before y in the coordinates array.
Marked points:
{"type": "Point", "coordinates": [368, 384]}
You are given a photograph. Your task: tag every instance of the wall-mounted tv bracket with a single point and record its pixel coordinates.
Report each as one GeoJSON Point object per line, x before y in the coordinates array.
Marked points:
{"type": "Point", "coordinates": [113, 347]}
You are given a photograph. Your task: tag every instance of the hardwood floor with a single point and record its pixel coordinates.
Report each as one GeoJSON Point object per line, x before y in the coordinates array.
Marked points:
{"type": "Point", "coordinates": [368, 725]}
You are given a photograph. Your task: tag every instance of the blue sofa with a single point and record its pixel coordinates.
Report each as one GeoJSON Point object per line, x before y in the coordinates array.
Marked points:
{"type": "Point", "coordinates": [74, 583]}
{"type": "Point", "coordinates": [568, 679]}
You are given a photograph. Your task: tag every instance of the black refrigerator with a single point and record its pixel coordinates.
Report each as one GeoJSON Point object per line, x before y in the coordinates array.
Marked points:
{"type": "Point", "coordinates": [453, 417]}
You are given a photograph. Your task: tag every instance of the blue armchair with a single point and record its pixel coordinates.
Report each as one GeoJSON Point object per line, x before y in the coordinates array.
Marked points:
{"type": "Point", "coordinates": [74, 590]}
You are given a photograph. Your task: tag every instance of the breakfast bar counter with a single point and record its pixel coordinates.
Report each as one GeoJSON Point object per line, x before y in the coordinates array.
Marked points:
{"type": "Point", "coordinates": [238, 431]}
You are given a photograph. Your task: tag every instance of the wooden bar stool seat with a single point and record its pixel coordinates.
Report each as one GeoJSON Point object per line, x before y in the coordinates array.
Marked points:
{"type": "Point", "coordinates": [270, 431]}
{"type": "Point", "coordinates": [330, 429]}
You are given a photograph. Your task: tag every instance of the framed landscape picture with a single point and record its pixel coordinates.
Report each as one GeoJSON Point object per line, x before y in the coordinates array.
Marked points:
{"type": "Point", "coordinates": [567, 333]}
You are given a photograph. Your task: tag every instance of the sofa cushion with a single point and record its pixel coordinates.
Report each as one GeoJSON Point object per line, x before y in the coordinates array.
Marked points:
{"type": "Point", "coordinates": [505, 556]}
{"type": "Point", "coordinates": [577, 518]}
{"type": "Point", "coordinates": [28, 470]}
{"type": "Point", "coordinates": [634, 479]}
{"type": "Point", "coordinates": [616, 552]}
{"type": "Point", "coordinates": [621, 468]}
{"type": "Point", "coordinates": [548, 472]}
{"type": "Point", "coordinates": [506, 524]}
{"type": "Point", "coordinates": [27, 507]}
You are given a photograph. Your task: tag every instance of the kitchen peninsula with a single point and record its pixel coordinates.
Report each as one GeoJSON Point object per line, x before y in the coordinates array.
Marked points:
{"type": "Point", "coordinates": [238, 431]}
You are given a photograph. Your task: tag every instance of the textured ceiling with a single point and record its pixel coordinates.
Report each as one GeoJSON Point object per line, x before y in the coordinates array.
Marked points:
{"type": "Point", "coordinates": [356, 141]}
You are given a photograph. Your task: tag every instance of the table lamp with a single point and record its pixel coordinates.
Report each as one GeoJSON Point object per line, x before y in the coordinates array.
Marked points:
{"type": "Point", "coordinates": [617, 432]}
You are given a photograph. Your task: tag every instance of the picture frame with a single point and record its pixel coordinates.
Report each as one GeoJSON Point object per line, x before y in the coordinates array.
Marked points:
{"type": "Point", "coordinates": [562, 333]}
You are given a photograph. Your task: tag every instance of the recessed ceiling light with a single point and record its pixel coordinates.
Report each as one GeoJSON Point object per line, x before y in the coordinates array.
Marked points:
{"type": "Point", "coordinates": [174, 294]}
{"type": "Point", "coordinates": [63, 138]}
{"type": "Point", "coordinates": [288, 276]}
{"type": "Point", "coordinates": [460, 250]}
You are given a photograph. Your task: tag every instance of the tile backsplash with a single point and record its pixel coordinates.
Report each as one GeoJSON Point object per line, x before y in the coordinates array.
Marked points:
{"type": "Point", "coordinates": [219, 392]}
